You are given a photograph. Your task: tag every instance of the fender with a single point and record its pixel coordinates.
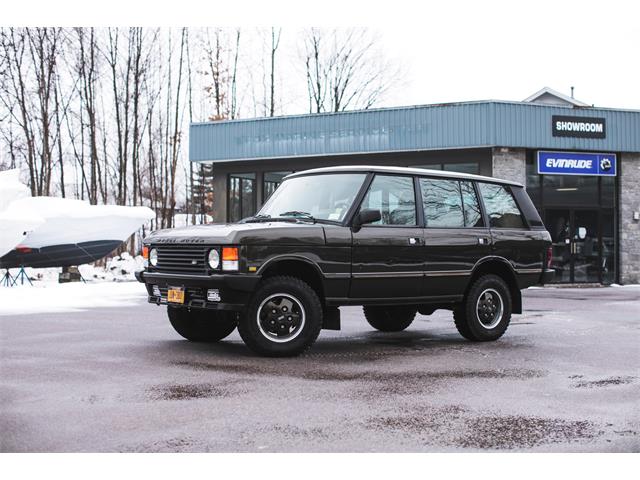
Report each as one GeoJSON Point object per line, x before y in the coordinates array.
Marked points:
{"type": "Point", "coordinates": [287, 256]}
{"type": "Point", "coordinates": [512, 283]}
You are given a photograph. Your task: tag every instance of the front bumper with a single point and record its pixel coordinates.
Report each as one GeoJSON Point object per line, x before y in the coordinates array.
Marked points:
{"type": "Point", "coordinates": [234, 289]}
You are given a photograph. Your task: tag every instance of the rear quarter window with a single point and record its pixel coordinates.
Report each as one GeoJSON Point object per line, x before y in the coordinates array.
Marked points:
{"type": "Point", "coordinates": [527, 208]}
{"type": "Point", "coordinates": [501, 206]}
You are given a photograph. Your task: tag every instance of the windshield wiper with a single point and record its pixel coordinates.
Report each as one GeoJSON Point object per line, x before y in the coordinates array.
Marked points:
{"type": "Point", "coordinates": [297, 213]}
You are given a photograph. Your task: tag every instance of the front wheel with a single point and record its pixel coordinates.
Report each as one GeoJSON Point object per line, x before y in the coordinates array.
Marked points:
{"type": "Point", "coordinates": [202, 325]}
{"type": "Point", "coordinates": [486, 311]}
{"type": "Point", "coordinates": [283, 318]}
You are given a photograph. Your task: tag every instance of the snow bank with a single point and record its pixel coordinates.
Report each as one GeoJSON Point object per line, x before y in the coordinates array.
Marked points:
{"type": "Point", "coordinates": [69, 297]}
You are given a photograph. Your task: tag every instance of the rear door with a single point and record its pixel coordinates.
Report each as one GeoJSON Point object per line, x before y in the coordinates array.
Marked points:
{"type": "Point", "coordinates": [388, 259]}
{"type": "Point", "coordinates": [455, 234]}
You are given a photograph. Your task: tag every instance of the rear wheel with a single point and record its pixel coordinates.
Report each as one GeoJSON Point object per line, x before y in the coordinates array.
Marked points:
{"type": "Point", "coordinates": [202, 325]}
{"type": "Point", "coordinates": [390, 318]}
{"type": "Point", "coordinates": [486, 311]}
{"type": "Point", "coordinates": [283, 318]}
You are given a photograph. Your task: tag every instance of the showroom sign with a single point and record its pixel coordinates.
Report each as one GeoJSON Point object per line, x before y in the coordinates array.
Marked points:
{"type": "Point", "coordinates": [576, 163]}
{"type": "Point", "coordinates": [582, 127]}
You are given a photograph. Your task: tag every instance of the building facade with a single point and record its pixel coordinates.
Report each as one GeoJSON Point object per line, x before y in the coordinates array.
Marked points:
{"type": "Point", "coordinates": [580, 165]}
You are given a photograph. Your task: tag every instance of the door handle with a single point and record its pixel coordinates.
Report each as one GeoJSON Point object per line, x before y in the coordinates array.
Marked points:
{"type": "Point", "coordinates": [483, 241]}
{"type": "Point", "coordinates": [414, 241]}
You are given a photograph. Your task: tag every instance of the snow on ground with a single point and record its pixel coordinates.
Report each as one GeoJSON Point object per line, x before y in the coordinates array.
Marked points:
{"type": "Point", "coordinates": [111, 286]}
{"type": "Point", "coordinates": [68, 297]}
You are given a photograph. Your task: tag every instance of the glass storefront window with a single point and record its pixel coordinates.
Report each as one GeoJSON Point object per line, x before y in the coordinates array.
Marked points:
{"type": "Point", "coordinates": [608, 246]}
{"type": "Point", "coordinates": [570, 190]}
{"type": "Point", "coordinates": [608, 191]}
{"type": "Point", "coordinates": [533, 182]}
{"type": "Point", "coordinates": [241, 199]}
{"type": "Point", "coordinates": [271, 181]}
{"type": "Point", "coordinates": [470, 167]}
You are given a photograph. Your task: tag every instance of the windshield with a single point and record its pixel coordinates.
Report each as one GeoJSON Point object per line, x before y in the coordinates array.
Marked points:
{"type": "Point", "coordinates": [323, 197]}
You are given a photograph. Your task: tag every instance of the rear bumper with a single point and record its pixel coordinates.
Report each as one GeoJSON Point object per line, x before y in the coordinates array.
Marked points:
{"type": "Point", "coordinates": [234, 289]}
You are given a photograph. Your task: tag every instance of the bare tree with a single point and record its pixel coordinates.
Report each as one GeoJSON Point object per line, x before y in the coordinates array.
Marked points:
{"type": "Point", "coordinates": [345, 69]}
{"type": "Point", "coordinates": [275, 43]}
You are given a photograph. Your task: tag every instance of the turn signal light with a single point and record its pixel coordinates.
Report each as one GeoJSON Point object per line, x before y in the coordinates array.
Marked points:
{"type": "Point", "coordinates": [230, 258]}
{"type": "Point", "coordinates": [145, 252]}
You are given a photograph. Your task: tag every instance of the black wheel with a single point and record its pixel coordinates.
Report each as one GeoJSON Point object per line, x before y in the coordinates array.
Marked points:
{"type": "Point", "coordinates": [202, 325]}
{"type": "Point", "coordinates": [389, 318]}
{"type": "Point", "coordinates": [486, 311]}
{"type": "Point", "coordinates": [283, 318]}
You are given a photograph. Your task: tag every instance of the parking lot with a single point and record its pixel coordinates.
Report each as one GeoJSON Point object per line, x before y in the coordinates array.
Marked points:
{"type": "Point", "coordinates": [565, 377]}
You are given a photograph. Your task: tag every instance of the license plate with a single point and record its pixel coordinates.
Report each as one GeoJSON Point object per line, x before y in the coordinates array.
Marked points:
{"type": "Point", "coordinates": [175, 295]}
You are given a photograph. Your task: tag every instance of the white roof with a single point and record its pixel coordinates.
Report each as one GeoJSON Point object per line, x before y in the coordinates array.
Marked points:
{"type": "Point", "coordinates": [543, 96]}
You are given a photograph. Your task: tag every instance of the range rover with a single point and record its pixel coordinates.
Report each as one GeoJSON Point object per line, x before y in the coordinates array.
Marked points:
{"type": "Point", "coordinates": [396, 241]}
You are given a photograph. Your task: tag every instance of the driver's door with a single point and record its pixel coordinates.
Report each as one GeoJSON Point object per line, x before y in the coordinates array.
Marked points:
{"type": "Point", "coordinates": [388, 259]}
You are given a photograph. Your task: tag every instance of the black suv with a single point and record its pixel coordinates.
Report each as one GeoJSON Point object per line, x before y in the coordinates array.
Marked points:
{"type": "Point", "coordinates": [395, 240]}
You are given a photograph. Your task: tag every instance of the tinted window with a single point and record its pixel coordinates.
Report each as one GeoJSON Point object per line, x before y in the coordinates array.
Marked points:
{"type": "Point", "coordinates": [472, 212]}
{"type": "Point", "coordinates": [394, 197]}
{"type": "Point", "coordinates": [442, 203]}
{"type": "Point", "coordinates": [501, 207]}
{"type": "Point", "coordinates": [241, 196]}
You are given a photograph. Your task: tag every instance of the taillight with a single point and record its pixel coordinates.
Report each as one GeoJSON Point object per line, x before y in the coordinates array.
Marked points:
{"type": "Point", "coordinates": [549, 257]}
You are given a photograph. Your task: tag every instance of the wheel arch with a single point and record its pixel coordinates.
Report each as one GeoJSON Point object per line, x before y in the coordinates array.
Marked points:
{"type": "Point", "coordinates": [501, 267]}
{"type": "Point", "coordinates": [295, 266]}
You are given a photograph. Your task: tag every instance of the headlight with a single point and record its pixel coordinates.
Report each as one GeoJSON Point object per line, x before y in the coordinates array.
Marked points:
{"type": "Point", "coordinates": [153, 257]}
{"type": "Point", "coordinates": [213, 259]}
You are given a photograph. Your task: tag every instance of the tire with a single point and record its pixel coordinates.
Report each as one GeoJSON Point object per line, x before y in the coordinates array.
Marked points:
{"type": "Point", "coordinates": [269, 330]}
{"type": "Point", "coordinates": [390, 318]}
{"type": "Point", "coordinates": [486, 311]}
{"type": "Point", "coordinates": [202, 325]}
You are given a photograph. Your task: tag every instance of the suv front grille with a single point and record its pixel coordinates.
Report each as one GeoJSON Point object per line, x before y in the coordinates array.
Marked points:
{"type": "Point", "coordinates": [181, 259]}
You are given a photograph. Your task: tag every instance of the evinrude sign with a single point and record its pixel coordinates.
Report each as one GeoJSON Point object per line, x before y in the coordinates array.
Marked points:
{"type": "Point", "coordinates": [582, 127]}
{"type": "Point", "coordinates": [576, 163]}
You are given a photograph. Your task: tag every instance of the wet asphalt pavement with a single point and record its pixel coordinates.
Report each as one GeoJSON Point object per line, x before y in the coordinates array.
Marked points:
{"type": "Point", "coordinates": [565, 377]}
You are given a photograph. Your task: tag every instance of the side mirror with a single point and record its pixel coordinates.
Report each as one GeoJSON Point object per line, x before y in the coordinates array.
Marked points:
{"type": "Point", "coordinates": [366, 215]}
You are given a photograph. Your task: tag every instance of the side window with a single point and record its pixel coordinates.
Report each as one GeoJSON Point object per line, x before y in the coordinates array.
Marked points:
{"type": "Point", "coordinates": [442, 203]}
{"type": "Point", "coordinates": [394, 197]}
{"type": "Point", "coordinates": [472, 212]}
{"type": "Point", "coordinates": [501, 206]}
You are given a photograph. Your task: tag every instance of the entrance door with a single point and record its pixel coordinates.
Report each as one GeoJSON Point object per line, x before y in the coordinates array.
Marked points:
{"type": "Point", "coordinates": [576, 246]}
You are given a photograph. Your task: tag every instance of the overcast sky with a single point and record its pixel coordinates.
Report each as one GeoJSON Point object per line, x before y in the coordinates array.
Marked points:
{"type": "Point", "coordinates": [451, 50]}
{"type": "Point", "coordinates": [510, 54]}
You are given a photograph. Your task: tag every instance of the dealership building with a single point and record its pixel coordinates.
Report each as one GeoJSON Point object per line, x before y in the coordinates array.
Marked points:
{"type": "Point", "coordinates": [580, 164]}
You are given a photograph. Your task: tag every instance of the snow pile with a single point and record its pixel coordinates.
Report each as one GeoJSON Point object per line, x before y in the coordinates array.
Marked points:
{"type": "Point", "coordinates": [69, 297]}
{"type": "Point", "coordinates": [120, 268]}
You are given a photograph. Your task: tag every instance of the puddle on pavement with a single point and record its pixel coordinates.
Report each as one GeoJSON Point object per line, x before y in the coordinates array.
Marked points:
{"type": "Point", "coordinates": [514, 432]}
{"type": "Point", "coordinates": [191, 391]}
{"type": "Point", "coordinates": [605, 382]}
{"type": "Point", "coordinates": [459, 427]}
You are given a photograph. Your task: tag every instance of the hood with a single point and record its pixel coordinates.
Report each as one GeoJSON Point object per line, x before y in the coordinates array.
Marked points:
{"type": "Point", "coordinates": [286, 233]}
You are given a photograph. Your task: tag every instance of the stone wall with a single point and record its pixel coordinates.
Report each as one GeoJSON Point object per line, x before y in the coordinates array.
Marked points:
{"type": "Point", "coordinates": [629, 239]}
{"type": "Point", "coordinates": [510, 164]}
